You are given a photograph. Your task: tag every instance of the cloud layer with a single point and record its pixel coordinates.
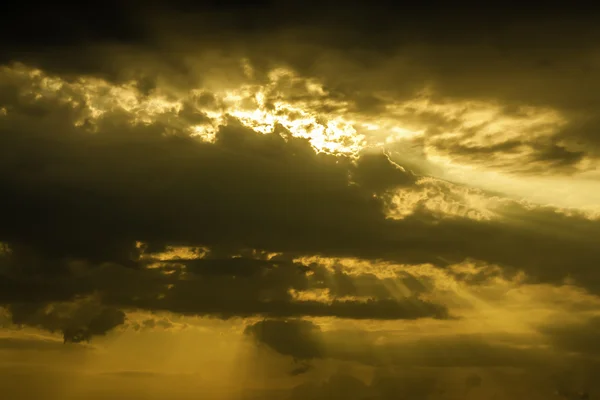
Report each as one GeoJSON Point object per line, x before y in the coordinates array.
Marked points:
{"type": "Point", "coordinates": [362, 196]}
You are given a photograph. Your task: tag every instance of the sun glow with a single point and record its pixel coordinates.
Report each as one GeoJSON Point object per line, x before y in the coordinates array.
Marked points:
{"type": "Point", "coordinates": [263, 107]}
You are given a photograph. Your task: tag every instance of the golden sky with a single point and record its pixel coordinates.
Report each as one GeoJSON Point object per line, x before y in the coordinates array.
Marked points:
{"type": "Point", "coordinates": [299, 200]}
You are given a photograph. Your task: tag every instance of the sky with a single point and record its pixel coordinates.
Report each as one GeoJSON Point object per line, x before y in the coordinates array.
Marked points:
{"type": "Point", "coordinates": [300, 200]}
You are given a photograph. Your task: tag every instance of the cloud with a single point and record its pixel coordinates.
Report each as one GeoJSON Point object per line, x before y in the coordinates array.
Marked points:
{"type": "Point", "coordinates": [378, 173]}
{"type": "Point", "coordinates": [95, 190]}
{"type": "Point", "coordinates": [274, 289]}
{"type": "Point", "coordinates": [213, 161]}
{"type": "Point", "coordinates": [92, 213]}
{"type": "Point", "coordinates": [77, 322]}
{"type": "Point", "coordinates": [303, 340]}
{"type": "Point", "coordinates": [313, 185]}
{"type": "Point", "coordinates": [298, 338]}
{"type": "Point", "coordinates": [151, 323]}
{"type": "Point", "coordinates": [577, 336]}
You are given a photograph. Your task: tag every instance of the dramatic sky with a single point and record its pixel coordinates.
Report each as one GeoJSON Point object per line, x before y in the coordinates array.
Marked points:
{"type": "Point", "coordinates": [303, 200]}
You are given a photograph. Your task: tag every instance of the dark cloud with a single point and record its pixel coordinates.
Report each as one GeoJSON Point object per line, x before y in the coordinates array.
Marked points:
{"type": "Point", "coordinates": [302, 368]}
{"type": "Point", "coordinates": [578, 337]}
{"type": "Point", "coordinates": [152, 323]}
{"type": "Point", "coordinates": [296, 338]}
{"type": "Point", "coordinates": [91, 197]}
{"type": "Point", "coordinates": [266, 293]}
{"type": "Point", "coordinates": [77, 323]}
{"type": "Point", "coordinates": [81, 191]}
{"type": "Point", "coordinates": [538, 158]}
{"type": "Point", "coordinates": [378, 173]}
{"type": "Point", "coordinates": [76, 200]}
{"type": "Point", "coordinates": [286, 186]}
{"type": "Point", "coordinates": [560, 155]}
{"type": "Point", "coordinates": [285, 183]}
{"type": "Point", "coordinates": [303, 340]}
{"type": "Point", "coordinates": [465, 51]}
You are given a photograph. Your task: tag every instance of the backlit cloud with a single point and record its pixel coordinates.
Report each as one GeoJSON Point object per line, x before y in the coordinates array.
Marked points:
{"type": "Point", "coordinates": [298, 200]}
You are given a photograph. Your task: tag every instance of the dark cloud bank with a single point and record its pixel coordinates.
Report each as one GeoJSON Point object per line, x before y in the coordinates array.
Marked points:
{"type": "Point", "coordinates": [76, 203]}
